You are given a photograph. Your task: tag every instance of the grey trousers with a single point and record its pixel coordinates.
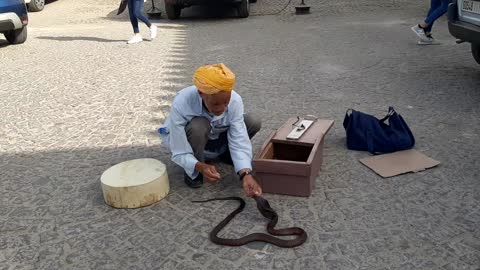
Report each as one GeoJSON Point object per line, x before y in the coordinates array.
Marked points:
{"type": "Point", "coordinates": [198, 131]}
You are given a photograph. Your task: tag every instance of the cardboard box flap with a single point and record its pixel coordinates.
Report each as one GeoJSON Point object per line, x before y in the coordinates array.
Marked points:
{"type": "Point", "coordinates": [400, 162]}
{"type": "Point", "coordinates": [316, 131]}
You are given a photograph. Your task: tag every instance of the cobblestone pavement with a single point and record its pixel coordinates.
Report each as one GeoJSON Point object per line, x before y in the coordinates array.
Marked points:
{"type": "Point", "coordinates": [75, 99]}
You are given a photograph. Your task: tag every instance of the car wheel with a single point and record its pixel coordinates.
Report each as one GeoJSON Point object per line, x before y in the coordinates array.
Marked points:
{"type": "Point", "coordinates": [173, 11]}
{"type": "Point", "coordinates": [476, 52]}
{"type": "Point", "coordinates": [18, 36]}
{"type": "Point", "coordinates": [36, 5]}
{"type": "Point", "coordinates": [244, 9]}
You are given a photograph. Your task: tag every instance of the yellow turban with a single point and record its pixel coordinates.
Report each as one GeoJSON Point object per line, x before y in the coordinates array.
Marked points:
{"type": "Point", "coordinates": [211, 79]}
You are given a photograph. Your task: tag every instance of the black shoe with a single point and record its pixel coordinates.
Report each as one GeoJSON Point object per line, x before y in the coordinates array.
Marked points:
{"type": "Point", "coordinates": [194, 183]}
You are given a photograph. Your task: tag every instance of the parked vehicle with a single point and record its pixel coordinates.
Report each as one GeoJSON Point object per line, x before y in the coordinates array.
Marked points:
{"type": "Point", "coordinates": [13, 20]}
{"type": "Point", "coordinates": [35, 5]}
{"type": "Point", "coordinates": [464, 23]}
{"type": "Point", "coordinates": [174, 8]}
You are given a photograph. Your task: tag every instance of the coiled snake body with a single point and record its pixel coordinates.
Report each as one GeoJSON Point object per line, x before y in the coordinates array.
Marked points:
{"type": "Point", "coordinates": [265, 209]}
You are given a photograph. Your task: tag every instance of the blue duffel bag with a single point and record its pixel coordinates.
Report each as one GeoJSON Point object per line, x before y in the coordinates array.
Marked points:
{"type": "Point", "coordinates": [367, 133]}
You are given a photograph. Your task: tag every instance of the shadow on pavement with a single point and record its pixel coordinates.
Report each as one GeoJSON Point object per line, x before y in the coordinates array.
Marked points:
{"type": "Point", "coordinates": [58, 193]}
{"type": "Point", "coordinates": [193, 13]}
{"type": "Point", "coordinates": [112, 16]}
{"type": "Point", "coordinates": [80, 38]}
{"type": "Point", "coordinates": [3, 43]}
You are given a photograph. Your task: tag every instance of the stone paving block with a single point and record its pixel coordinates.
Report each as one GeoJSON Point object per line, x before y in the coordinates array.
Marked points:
{"type": "Point", "coordinates": [49, 236]}
{"type": "Point", "coordinates": [174, 198]}
{"type": "Point", "coordinates": [329, 252]}
{"type": "Point", "coordinates": [198, 241]}
{"type": "Point", "coordinates": [10, 241]}
{"type": "Point", "coordinates": [335, 221]}
{"type": "Point", "coordinates": [213, 248]}
{"type": "Point", "coordinates": [460, 265]}
{"type": "Point", "coordinates": [153, 261]}
{"type": "Point", "coordinates": [166, 212]}
{"type": "Point", "coordinates": [201, 258]}
{"type": "Point", "coordinates": [218, 265]}
{"type": "Point", "coordinates": [467, 224]}
{"type": "Point", "coordinates": [257, 260]}
{"type": "Point", "coordinates": [307, 250]}
{"type": "Point", "coordinates": [310, 263]}
{"type": "Point", "coordinates": [233, 254]}
{"type": "Point", "coordinates": [51, 251]}
{"type": "Point", "coordinates": [49, 264]}
{"type": "Point", "coordinates": [379, 259]}
{"type": "Point", "coordinates": [104, 242]}
{"type": "Point", "coordinates": [188, 265]}
{"type": "Point", "coordinates": [349, 249]}
{"type": "Point", "coordinates": [405, 266]}
{"type": "Point", "coordinates": [6, 255]}
{"type": "Point", "coordinates": [283, 264]}
{"type": "Point", "coordinates": [339, 264]}
{"type": "Point", "coordinates": [472, 259]}
{"type": "Point", "coordinates": [168, 264]}
{"type": "Point", "coordinates": [22, 267]}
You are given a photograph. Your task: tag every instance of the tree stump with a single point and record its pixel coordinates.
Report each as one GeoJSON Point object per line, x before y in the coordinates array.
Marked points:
{"type": "Point", "coordinates": [135, 183]}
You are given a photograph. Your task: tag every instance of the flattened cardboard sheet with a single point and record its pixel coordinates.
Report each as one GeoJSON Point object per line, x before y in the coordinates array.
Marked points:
{"type": "Point", "coordinates": [400, 162]}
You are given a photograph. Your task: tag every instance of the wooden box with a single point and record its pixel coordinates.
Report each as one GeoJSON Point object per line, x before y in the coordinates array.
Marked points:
{"type": "Point", "coordinates": [290, 167]}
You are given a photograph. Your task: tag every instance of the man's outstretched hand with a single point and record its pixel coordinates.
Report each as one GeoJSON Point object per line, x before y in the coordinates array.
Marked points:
{"type": "Point", "coordinates": [251, 187]}
{"type": "Point", "coordinates": [209, 172]}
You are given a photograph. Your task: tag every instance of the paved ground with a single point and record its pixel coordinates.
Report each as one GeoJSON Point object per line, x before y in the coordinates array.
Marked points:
{"type": "Point", "coordinates": [75, 99]}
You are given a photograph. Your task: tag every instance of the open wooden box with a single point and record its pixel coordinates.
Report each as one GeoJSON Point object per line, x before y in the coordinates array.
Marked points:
{"type": "Point", "coordinates": [289, 167]}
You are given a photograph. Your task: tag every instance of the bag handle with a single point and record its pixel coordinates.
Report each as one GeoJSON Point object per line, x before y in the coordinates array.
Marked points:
{"type": "Point", "coordinates": [391, 111]}
{"type": "Point", "coordinates": [346, 120]}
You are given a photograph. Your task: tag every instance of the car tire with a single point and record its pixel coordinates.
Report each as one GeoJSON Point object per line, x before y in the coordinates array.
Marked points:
{"type": "Point", "coordinates": [253, 1]}
{"type": "Point", "coordinates": [18, 36]}
{"type": "Point", "coordinates": [476, 52]}
{"type": "Point", "coordinates": [244, 9]}
{"type": "Point", "coordinates": [36, 5]}
{"type": "Point", "coordinates": [173, 11]}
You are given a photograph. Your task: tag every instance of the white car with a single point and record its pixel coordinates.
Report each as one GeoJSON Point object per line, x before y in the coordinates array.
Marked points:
{"type": "Point", "coordinates": [35, 5]}
{"type": "Point", "coordinates": [464, 23]}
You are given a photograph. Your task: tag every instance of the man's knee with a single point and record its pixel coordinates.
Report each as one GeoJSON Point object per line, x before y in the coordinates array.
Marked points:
{"type": "Point", "coordinates": [253, 123]}
{"type": "Point", "coordinates": [199, 128]}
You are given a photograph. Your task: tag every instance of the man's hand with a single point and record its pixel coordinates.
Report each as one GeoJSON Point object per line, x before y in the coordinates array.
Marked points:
{"type": "Point", "coordinates": [251, 187]}
{"type": "Point", "coordinates": [209, 172]}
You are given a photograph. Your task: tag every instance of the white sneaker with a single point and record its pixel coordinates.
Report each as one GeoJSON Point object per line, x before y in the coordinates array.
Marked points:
{"type": "Point", "coordinates": [430, 41]}
{"type": "Point", "coordinates": [153, 31]}
{"type": "Point", "coordinates": [420, 33]}
{"type": "Point", "coordinates": [135, 39]}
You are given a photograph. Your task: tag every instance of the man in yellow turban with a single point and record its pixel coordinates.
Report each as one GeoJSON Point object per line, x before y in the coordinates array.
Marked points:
{"type": "Point", "coordinates": [207, 121]}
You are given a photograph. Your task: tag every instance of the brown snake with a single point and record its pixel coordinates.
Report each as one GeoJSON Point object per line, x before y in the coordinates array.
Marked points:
{"type": "Point", "coordinates": [265, 209]}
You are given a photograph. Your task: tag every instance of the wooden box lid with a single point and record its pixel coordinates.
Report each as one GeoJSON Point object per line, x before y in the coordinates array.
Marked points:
{"type": "Point", "coordinates": [316, 131]}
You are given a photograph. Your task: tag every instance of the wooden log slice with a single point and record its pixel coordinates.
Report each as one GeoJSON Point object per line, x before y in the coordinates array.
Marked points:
{"type": "Point", "coordinates": [135, 183]}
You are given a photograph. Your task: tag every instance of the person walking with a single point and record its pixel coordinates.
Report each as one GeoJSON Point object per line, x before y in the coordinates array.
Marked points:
{"type": "Point", "coordinates": [135, 8]}
{"type": "Point", "coordinates": [423, 30]}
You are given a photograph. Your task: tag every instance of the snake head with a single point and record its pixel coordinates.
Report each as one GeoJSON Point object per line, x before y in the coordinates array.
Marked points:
{"type": "Point", "coordinates": [264, 207]}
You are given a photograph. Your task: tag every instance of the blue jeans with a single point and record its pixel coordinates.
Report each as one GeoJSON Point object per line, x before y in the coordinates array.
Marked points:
{"type": "Point", "coordinates": [437, 9]}
{"type": "Point", "coordinates": [135, 8]}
